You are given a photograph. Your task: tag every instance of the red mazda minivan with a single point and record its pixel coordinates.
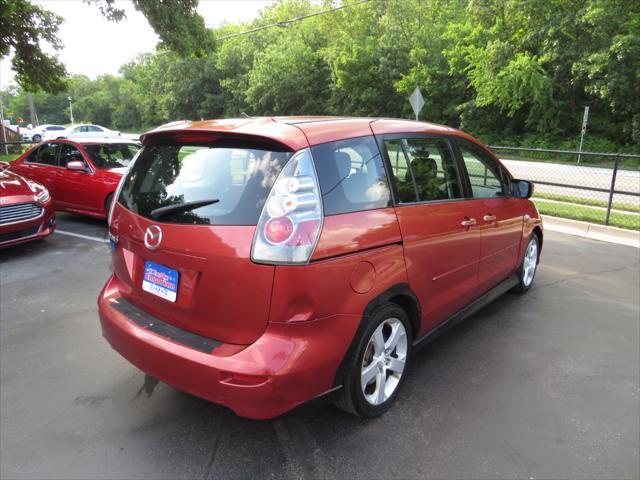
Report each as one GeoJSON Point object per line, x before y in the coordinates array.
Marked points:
{"type": "Point", "coordinates": [268, 263]}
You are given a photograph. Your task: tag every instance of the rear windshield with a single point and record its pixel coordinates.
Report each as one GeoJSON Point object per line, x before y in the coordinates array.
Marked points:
{"type": "Point", "coordinates": [111, 155]}
{"type": "Point", "coordinates": [239, 178]}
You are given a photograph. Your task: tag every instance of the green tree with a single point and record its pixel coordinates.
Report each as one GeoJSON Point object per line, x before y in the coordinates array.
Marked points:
{"type": "Point", "coordinates": [177, 22]}
{"type": "Point", "coordinates": [22, 27]}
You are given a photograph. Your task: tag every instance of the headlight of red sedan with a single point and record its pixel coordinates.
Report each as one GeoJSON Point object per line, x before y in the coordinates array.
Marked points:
{"type": "Point", "coordinates": [42, 194]}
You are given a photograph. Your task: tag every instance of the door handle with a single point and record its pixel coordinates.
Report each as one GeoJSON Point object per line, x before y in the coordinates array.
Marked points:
{"type": "Point", "coordinates": [468, 222]}
{"type": "Point", "coordinates": [489, 218]}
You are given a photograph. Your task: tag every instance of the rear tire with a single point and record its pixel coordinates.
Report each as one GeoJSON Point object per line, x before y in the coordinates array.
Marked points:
{"type": "Point", "coordinates": [529, 265]}
{"type": "Point", "coordinates": [107, 204]}
{"type": "Point", "coordinates": [377, 368]}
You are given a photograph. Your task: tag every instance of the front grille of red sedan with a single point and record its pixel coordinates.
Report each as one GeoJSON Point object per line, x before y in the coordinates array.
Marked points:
{"type": "Point", "coordinates": [19, 212]}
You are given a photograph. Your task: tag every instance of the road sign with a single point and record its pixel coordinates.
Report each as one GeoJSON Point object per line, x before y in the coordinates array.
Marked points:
{"type": "Point", "coordinates": [417, 101]}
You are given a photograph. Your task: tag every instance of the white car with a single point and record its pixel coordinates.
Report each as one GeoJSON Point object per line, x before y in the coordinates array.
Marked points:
{"type": "Point", "coordinates": [36, 134]}
{"type": "Point", "coordinates": [86, 130]}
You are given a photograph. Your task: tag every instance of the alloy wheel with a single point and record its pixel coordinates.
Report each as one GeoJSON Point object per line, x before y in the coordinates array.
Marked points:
{"type": "Point", "coordinates": [530, 262]}
{"type": "Point", "coordinates": [384, 361]}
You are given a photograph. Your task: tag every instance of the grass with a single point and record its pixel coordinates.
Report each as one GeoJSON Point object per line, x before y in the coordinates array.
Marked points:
{"type": "Point", "coordinates": [8, 158]}
{"type": "Point", "coordinates": [587, 201]}
{"type": "Point", "coordinates": [630, 221]}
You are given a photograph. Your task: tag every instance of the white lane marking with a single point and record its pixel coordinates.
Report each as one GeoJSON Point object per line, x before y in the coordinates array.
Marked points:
{"type": "Point", "coordinates": [86, 237]}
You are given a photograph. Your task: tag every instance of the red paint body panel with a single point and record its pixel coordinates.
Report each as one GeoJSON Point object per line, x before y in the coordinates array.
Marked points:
{"type": "Point", "coordinates": [14, 190]}
{"type": "Point", "coordinates": [84, 193]}
{"type": "Point", "coordinates": [293, 357]}
{"type": "Point", "coordinates": [223, 294]}
{"type": "Point", "coordinates": [286, 328]}
{"type": "Point", "coordinates": [353, 232]}
{"type": "Point", "coordinates": [501, 239]}
{"type": "Point", "coordinates": [323, 288]}
{"type": "Point", "coordinates": [442, 257]}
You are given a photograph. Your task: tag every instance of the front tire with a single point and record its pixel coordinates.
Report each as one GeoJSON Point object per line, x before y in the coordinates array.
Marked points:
{"type": "Point", "coordinates": [36, 138]}
{"type": "Point", "coordinates": [378, 366]}
{"type": "Point", "coordinates": [529, 265]}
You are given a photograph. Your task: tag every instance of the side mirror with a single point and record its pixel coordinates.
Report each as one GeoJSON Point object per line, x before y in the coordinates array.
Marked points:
{"type": "Point", "coordinates": [521, 188]}
{"type": "Point", "coordinates": [76, 165]}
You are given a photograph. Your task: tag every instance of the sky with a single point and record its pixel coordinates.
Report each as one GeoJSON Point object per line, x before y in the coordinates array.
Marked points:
{"type": "Point", "coordinates": [93, 45]}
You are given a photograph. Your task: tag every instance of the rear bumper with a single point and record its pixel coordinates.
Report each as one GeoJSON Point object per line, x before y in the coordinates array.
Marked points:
{"type": "Point", "coordinates": [290, 364]}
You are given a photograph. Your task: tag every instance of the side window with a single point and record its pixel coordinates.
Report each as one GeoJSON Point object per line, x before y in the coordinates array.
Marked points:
{"type": "Point", "coordinates": [400, 169]}
{"type": "Point", "coordinates": [428, 164]}
{"type": "Point", "coordinates": [352, 176]}
{"type": "Point", "coordinates": [45, 155]}
{"type": "Point", "coordinates": [69, 153]}
{"type": "Point", "coordinates": [93, 128]}
{"type": "Point", "coordinates": [80, 129]}
{"type": "Point", "coordinates": [485, 175]}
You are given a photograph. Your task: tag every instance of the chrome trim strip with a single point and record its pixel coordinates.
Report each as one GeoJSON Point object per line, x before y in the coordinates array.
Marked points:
{"type": "Point", "coordinates": [30, 219]}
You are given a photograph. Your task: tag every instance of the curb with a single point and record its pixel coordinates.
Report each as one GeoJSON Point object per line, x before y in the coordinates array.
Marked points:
{"type": "Point", "coordinates": [603, 233]}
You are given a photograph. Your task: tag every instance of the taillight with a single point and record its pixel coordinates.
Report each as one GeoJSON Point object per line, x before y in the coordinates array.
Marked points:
{"type": "Point", "coordinates": [291, 218]}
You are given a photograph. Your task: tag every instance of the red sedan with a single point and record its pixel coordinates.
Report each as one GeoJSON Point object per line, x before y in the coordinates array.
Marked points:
{"type": "Point", "coordinates": [81, 175]}
{"type": "Point", "coordinates": [26, 209]}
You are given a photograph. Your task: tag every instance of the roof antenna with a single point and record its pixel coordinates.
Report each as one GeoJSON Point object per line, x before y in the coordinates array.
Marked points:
{"type": "Point", "coordinates": [244, 115]}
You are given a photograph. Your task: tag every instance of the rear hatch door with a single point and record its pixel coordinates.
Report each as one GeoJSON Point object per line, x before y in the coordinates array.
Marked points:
{"type": "Point", "coordinates": [191, 265]}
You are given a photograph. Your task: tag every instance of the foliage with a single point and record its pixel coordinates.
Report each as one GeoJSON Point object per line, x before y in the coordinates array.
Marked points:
{"type": "Point", "coordinates": [180, 28]}
{"type": "Point", "coordinates": [22, 27]}
{"type": "Point", "coordinates": [508, 71]}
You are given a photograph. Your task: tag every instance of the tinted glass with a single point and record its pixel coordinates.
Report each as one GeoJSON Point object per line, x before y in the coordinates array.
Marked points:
{"type": "Point", "coordinates": [401, 174]}
{"type": "Point", "coordinates": [93, 128]}
{"type": "Point", "coordinates": [484, 172]}
{"type": "Point", "coordinates": [240, 178]}
{"type": "Point", "coordinates": [352, 176]}
{"type": "Point", "coordinates": [55, 128]}
{"type": "Point", "coordinates": [45, 155]}
{"type": "Point", "coordinates": [111, 155]}
{"type": "Point", "coordinates": [433, 169]}
{"type": "Point", "coordinates": [69, 153]}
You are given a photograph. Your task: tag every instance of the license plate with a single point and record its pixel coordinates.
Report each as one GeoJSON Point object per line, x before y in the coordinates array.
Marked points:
{"type": "Point", "coordinates": [161, 281]}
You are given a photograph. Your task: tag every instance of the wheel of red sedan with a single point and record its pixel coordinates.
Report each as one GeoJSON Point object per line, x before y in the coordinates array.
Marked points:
{"type": "Point", "coordinates": [378, 367]}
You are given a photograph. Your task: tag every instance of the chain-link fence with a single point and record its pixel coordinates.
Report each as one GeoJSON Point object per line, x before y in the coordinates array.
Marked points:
{"type": "Point", "coordinates": [603, 188]}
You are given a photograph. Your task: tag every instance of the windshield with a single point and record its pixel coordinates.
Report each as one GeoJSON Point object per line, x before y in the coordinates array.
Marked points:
{"type": "Point", "coordinates": [111, 155]}
{"type": "Point", "coordinates": [238, 178]}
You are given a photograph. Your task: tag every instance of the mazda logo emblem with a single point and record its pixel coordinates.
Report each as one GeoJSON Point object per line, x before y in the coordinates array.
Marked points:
{"type": "Point", "coordinates": [152, 237]}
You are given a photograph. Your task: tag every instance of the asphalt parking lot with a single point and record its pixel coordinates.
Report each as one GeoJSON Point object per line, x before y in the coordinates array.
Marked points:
{"type": "Point", "coordinates": [540, 386]}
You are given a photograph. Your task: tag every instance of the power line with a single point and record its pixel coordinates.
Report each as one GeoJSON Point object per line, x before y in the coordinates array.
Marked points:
{"type": "Point", "coordinates": [287, 23]}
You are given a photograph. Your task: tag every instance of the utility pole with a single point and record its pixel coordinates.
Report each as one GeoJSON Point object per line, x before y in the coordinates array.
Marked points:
{"type": "Point", "coordinates": [32, 111]}
{"type": "Point", "coordinates": [71, 110]}
{"type": "Point", "coordinates": [4, 135]}
{"type": "Point", "coordinates": [585, 120]}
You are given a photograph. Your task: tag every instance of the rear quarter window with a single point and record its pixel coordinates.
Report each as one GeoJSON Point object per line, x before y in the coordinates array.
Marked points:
{"type": "Point", "coordinates": [351, 175]}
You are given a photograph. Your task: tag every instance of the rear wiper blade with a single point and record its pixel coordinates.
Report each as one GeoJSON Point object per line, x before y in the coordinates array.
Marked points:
{"type": "Point", "coordinates": [182, 207]}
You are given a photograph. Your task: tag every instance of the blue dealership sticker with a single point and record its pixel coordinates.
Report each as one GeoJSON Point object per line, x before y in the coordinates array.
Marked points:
{"type": "Point", "coordinates": [160, 280]}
